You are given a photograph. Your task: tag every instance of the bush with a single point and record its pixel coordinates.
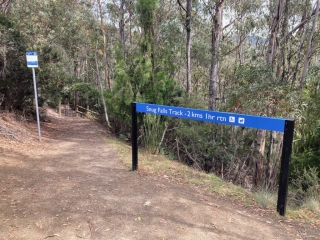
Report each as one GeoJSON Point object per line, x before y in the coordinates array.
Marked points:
{"type": "Point", "coordinates": [305, 188]}
{"type": "Point", "coordinates": [306, 182]}
{"type": "Point", "coordinates": [312, 204]}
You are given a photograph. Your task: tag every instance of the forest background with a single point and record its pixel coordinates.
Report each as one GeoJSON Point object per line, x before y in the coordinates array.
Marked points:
{"type": "Point", "coordinates": [244, 56]}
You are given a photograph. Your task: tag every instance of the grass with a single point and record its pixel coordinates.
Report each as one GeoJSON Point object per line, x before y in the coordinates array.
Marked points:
{"type": "Point", "coordinates": [161, 165]}
{"type": "Point", "coordinates": [312, 204]}
{"type": "Point", "coordinates": [265, 199]}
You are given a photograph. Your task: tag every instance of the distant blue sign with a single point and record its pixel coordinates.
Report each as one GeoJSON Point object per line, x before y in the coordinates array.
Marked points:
{"type": "Point", "coordinates": [235, 119]}
{"type": "Point", "coordinates": [32, 59]}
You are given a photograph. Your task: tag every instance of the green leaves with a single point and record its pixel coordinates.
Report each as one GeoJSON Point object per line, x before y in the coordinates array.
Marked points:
{"type": "Point", "coordinates": [146, 10]}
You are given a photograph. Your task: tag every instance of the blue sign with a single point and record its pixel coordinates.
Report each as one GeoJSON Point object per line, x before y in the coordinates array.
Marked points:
{"type": "Point", "coordinates": [235, 119]}
{"type": "Point", "coordinates": [32, 59]}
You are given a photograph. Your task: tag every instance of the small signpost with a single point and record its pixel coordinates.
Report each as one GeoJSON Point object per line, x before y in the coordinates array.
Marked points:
{"type": "Point", "coordinates": [32, 62]}
{"type": "Point", "coordinates": [266, 123]}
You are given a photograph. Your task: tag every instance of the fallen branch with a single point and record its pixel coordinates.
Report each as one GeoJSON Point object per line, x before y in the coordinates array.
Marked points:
{"type": "Point", "coordinates": [189, 155]}
{"type": "Point", "coordinates": [163, 134]}
{"type": "Point", "coordinates": [53, 235]}
{"type": "Point", "coordinates": [91, 227]}
{"type": "Point", "coordinates": [178, 150]}
{"type": "Point", "coordinates": [7, 133]}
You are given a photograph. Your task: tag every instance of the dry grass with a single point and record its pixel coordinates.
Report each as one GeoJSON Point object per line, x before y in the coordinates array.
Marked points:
{"type": "Point", "coordinates": [266, 199]}
{"type": "Point", "coordinates": [312, 204]}
{"type": "Point", "coordinates": [160, 165]}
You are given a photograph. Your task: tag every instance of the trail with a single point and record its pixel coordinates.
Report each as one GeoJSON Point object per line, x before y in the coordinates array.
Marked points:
{"type": "Point", "coordinates": [73, 185]}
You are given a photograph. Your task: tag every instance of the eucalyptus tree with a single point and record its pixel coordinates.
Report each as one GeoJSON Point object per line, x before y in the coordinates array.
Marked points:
{"type": "Point", "coordinates": [104, 32]}
{"type": "Point", "coordinates": [14, 82]}
{"type": "Point", "coordinates": [188, 21]}
{"type": "Point", "coordinates": [121, 15]}
{"type": "Point", "coordinates": [311, 47]}
{"type": "Point", "coordinates": [58, 32]}
{"type": "Point", "coordinates": [226, 17]}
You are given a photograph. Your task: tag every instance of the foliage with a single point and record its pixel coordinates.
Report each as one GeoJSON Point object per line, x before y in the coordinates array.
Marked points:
{"type": "Point", "coordinates": [304, 191]}
{"type": "Point", "coordinates": [306, 182]}
{"type": "Point", "coordinates": [136, 79]}
{"type": "Point", "coordinates": [307, 143]}
{"type": "Point", "coordinates": [88, 94]}
{"type": "Point", "coordinates": [15, 77]}
{"type": "Point", "coordinates": [146, 10]}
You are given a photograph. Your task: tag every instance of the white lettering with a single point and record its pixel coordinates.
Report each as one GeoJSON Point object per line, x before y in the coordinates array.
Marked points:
{"type": "Point", "coordinates": [209, 116]}
{"type": "Point", "coordinates": [196, 115]}
{"type": "Point", "coordinates": [153, 110]}
{"type": "Point", "coordinates": [162, 110]}
{"type": "Point", "coordinates": [176, 113]}
{"type": "Point", "coordinates": [222, 119]}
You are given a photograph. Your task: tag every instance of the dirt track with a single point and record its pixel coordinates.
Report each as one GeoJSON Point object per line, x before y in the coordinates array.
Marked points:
{"type": "Point", "coordinates": [73, 185]}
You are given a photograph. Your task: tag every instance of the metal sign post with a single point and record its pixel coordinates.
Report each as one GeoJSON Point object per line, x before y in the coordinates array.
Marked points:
{"type": "Point", "coordinates": [32, 61]}
{"type": "Point", "coordinates": [134, 137]}
{"type": "Point", "coordinates": [284, 169]}
{"type": "Point", "coordinates": [266, 123]}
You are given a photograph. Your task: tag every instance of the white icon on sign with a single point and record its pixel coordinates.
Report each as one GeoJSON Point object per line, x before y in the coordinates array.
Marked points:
{"type": "Point", "coordinates": [232, 119]}
{"type": "Point", "coordinates": [241, 121]}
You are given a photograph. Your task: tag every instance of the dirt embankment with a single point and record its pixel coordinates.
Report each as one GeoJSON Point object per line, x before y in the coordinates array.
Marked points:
{"type": "Point", "coordinates": [72, 185]}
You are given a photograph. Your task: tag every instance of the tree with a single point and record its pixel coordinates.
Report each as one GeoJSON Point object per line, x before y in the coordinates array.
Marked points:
{"type": "Point", "coordinates": [216, 35]}
{"type": "Point", "coordinates": [101, 91]}
{"type": "Point", "coordinates": [188, 42]}
{"type": "Point", "coordinates": [104, 34]}
{"type": "Point", "coordinates": [310, 50]}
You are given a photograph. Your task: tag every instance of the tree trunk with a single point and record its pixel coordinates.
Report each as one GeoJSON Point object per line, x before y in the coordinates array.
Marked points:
{"type": "Point", "coordinates": [188, 45]}
{"type": "Point", "coordinates": [216, 34]}
{"type": "Point", "coordinates": [188, 42]}
{"type": "Point", "coordinates": [76, 102]}
{"type": "Point", "coordinates": [309, 48]}
{"type": "Point", "coordinates": [121, 28]}
{"type": "Point", "coordinates": [59, 107]}
{"type": "Point", "coordinates": [270, 157]}
{"type": "Point", "coordinates": [274, 29]}
{"type": "Point", "coordinates": [4, 64]}
{"type": "Point", "coordinates": [281, 69]}
{"type": "Point", "coordinates": [259, 158]}
{"type": "Point", "coordinates": [277, 156]}
{"type": "Point", "coordinates": [104, 33]}
{"type": "Point", "coordinates": [5, 6]}
{"type": "Point", "coordinates": [101, 90]}
{"type": "Point", "coordinates": [295, 71]}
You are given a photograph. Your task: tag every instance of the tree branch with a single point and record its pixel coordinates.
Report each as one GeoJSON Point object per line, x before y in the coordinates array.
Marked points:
{"type": "Point", "coordinates": [229, 24]}
{"type": "Point", "coordinates": [189, 155]}
{"type": "Point", "coordinates": [297, 27]}
{"type": "Point", "coordinates": [236, 47]}
{"type": "Point", "coordinates": [181, 5]}
{"type": "Point", "coordinates": [162, 138]}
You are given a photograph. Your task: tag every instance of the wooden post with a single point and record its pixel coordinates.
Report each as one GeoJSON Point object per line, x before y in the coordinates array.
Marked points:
{"type": "Point", "coordinates": [59, 107]}
{"type": "Point", "coordinates": [76, 102]}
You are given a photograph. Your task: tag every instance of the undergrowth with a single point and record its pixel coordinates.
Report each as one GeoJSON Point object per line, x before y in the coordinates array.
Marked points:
{"type": "Point", "coordinates": [161, 165]}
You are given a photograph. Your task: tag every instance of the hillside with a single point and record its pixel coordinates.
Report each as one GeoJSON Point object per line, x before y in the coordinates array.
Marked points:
{"type": "Point", "coordinates": [74, 185]}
